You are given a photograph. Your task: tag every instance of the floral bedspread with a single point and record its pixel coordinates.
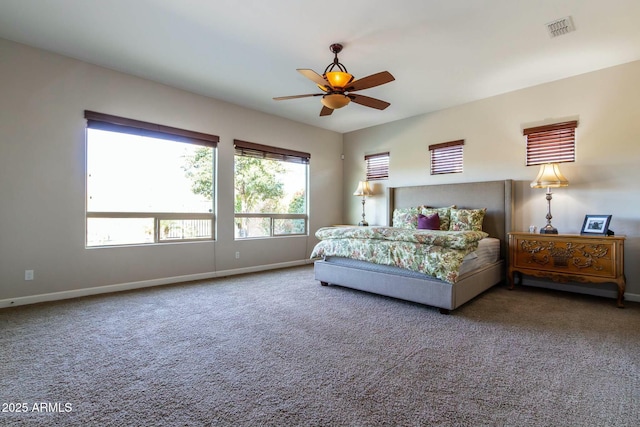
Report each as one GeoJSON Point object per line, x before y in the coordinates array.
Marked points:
{"type": "Point", "coordinates": [433, 252]}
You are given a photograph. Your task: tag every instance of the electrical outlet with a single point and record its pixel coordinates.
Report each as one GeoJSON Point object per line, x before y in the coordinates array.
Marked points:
{"type": "Point", "coordinates": [28, 275]}
{"type": "Point", "coordinates": [237, 255]}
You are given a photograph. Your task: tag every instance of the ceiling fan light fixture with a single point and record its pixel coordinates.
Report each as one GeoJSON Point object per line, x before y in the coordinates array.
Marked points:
{"type": "Point", "coordinates": [335, 101]}
{"type": "Point", "coordinates": [338, 79]}
{"type": "Point", "coordinates": [337, 84]}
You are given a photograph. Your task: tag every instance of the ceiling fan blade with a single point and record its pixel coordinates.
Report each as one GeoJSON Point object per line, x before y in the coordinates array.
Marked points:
{"type": "Point", "coordinates": [313, 76]}
{"type": "Point", "coordinates": [282, 98]}
{"type": "Point", "coordinates": [367, 101]}
{"type": "Point", "coordinates": [371, 81]}
{"type": "Point", "coordinates": [326, 111]}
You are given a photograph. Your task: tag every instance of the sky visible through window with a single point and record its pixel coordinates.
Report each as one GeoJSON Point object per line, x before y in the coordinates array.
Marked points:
{"type": "Point", "coordinates": [129, 173]}
{"type": "Point", "coordinates": [294, 180]}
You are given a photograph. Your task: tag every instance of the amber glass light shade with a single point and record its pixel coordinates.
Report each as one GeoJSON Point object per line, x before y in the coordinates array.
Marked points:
{"type": "Point", "coordinates": [335, 101]}
{"type": "Point", "coordinates": [338, 79]}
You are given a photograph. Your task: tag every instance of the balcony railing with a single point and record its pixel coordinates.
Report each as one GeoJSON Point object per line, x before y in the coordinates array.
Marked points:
{"type": "Point", "coordinates": [256, 225]}
{"type": "Point", "coordinates": [131, 228]}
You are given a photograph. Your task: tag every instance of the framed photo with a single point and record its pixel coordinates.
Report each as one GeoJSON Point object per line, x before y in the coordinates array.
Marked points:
{"type": "Point", "coordinates": [596, 224]}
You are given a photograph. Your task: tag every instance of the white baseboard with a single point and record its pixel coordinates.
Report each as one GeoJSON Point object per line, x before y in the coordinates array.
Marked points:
{"type": "Point", "coordinates": [607, 293]}
{"type": "Point", "coordinates": [77, 293]}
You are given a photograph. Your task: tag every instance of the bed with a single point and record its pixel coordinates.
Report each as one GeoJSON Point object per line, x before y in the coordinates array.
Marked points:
{"type": "Point", "coordinates": [396, 282]}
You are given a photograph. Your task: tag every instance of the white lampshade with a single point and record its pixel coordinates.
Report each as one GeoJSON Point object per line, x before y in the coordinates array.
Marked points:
{"type": "Point", "coordinates": [363, 189]}
{"type": "Point", "coordinates": [549, 176]}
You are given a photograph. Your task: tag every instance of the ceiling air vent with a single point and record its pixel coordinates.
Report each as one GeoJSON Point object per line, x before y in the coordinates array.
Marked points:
{"type": "Point", "coordinates": [560, 27]}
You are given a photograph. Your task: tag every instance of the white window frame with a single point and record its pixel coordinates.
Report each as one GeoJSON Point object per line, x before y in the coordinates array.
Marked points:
{"type": "Point", "coordinates": [250, 149]}
{"type": "Point", "coordinates": [130, 126]}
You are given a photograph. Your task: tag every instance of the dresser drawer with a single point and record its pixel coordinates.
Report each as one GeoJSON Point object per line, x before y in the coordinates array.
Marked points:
{"type": "Point", "coordinates": [568, 258]}
{"type": "Point", "coordinates": [572, 257]}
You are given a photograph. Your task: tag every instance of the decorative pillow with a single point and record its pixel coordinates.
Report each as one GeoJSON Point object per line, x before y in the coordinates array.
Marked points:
{"type": "Point", "coordinates": [429, 222]}
{"type": "Point", "coordinates": [443, 214]}
{"type": "Point", "coordinates": [405, 218]}
{"type": "Point", "coordinates": [467, 219]}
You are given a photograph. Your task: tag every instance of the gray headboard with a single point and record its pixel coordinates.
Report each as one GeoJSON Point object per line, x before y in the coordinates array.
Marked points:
{"type": "Point", "coordinates": [496, 196]}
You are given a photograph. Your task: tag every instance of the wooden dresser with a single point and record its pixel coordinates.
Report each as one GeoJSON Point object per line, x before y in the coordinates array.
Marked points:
{"type": "Point", "coordinates": [568, 258]}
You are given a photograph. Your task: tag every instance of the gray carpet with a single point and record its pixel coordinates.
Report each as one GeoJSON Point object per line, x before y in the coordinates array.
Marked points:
{"type": "Point", "coordinates": [278, 349]}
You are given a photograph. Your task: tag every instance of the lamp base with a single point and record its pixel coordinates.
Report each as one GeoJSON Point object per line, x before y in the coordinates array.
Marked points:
{"type": "Point", "coordinates": [363, 223]}
{"type": "Point", "coordinates": [548, 229]}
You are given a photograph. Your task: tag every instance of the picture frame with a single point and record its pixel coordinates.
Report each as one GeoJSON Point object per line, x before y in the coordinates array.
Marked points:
{"type": "Point", "coordinates": [597, 225]}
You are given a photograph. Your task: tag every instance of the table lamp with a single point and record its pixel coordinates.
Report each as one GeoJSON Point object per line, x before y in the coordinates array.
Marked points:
{"type": "Point", "coordinates": [363, 190]}
{"type": "Point", "coordinates": [549, 177]}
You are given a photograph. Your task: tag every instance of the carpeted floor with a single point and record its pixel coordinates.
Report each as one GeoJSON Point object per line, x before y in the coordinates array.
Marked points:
{"type": "Point", "coordinates": [278, 349]}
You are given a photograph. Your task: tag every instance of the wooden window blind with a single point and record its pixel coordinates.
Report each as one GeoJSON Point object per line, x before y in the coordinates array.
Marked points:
{"type": "Point", "coordinates": [377, 166]}
{"type": "Point", "coordinates": [446, 157]}
{"type": "Point", "coordinates": [250, 149]}
{"type": "Point", "coordinates": [554, 143]}
{"type": "Point", "coordinates": [136, 127]}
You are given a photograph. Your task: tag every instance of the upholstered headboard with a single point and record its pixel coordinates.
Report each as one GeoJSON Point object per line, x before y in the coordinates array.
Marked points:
{"type": "Point", "coordinates": [496, 196]}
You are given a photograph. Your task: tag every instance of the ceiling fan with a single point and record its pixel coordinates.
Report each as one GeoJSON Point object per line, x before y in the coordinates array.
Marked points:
{"type": "Point", "coordinates": [337, 86]}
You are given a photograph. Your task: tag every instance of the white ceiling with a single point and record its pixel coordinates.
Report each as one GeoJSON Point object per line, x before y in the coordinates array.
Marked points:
{"type": "Point", "coordinates": [441, 52]}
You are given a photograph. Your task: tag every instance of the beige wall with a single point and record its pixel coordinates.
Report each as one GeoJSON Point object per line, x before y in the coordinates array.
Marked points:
{"type": "Point", "coordinates": [42, 167]}
{"type": "Point", "coordinates": [42, 179]}
{"type": "Point", "coordinates": [603, 180]}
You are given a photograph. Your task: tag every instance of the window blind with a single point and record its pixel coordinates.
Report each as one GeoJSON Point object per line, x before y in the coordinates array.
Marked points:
{"type": "Point", "coordinates": [446, 157]}
{"type": "Point", "coordinates": [250, 149]}
{"type": "Point", "coordinates": [551, 143]}
{"type": "Point", "coordinates": [377, 166]}
{"type": "Point", "coordinates": [136, 127]}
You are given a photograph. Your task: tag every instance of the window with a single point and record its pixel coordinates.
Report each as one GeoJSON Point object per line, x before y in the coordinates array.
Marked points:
{"type": "Point", "coordinates": [147, 183]}
{"type": "Point", "coordinates": [270, 191]}
{"type": "Point", "coordinates": [377, 166]}
{"type": "Point", "coordinates": [551, 143]}
{"type": "Point", "coordinates": [446, 157]}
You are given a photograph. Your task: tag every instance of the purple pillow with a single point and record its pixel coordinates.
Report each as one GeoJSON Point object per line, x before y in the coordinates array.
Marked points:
{"type": "Point", "coordinates": [429, 222]}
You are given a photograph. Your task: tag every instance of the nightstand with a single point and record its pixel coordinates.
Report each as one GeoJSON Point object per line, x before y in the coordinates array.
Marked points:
{"type": "Point", "coordinates": [568, 258]}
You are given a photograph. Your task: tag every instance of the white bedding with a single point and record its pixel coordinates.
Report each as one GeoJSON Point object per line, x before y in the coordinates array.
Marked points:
{"type": "Point", "coordinates": [487, 253]}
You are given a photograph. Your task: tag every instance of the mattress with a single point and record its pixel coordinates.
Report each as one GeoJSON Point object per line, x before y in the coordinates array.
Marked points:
{"type": "Point", "coordinates": [488, 252]}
